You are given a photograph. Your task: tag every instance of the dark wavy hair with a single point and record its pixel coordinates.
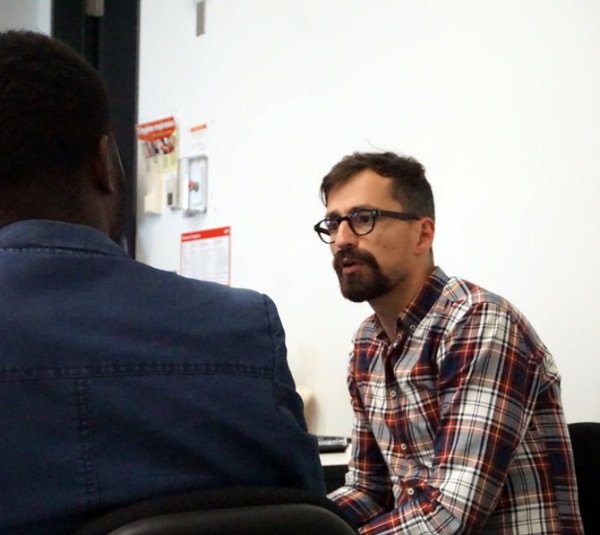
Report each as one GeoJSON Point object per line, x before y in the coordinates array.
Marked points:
{"type": "Point", "coordinates": [410, 186]}
{"type": "Point", "coordinates": [53, 107]}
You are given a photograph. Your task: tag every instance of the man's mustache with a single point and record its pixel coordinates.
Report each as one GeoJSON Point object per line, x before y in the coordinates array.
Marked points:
{"type": "Point", "coordinates": [345, 256]}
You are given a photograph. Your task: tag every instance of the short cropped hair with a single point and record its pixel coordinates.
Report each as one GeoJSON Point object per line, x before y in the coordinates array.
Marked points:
{"type": "Point", "coordinates": [409, 184]}
{"type": "Point", "coordinates": [53, 107]}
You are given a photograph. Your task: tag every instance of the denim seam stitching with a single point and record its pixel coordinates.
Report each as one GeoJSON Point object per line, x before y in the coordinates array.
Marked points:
{"type": "Point", "coordinates": [87, 454]}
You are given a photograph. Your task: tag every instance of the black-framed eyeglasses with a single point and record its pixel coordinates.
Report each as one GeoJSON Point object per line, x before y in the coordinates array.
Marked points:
{"type": "Point", "coordinates": [361, 222]}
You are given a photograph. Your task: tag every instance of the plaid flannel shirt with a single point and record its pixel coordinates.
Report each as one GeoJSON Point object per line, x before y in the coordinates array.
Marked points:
{"type": "Point", "coordinates": [458, 425]}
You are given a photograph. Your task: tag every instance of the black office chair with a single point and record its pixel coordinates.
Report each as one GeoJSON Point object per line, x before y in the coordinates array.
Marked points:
{"type": "Point", "coordinates": [585, 439]}
{"type": "Point", "coordinates": [230, 511]}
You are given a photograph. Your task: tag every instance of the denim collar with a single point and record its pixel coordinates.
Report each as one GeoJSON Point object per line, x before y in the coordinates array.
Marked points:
{"type": "Point", "coordinates": [46, 234]}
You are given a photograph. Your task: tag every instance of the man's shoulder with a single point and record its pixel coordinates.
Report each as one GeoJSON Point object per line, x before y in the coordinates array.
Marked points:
{"type": "Point", "coordinates": [462, 291]}
{"type": "Point", "coordinates": [202, 305]}
{"type": "Point", "coordinates": [461, 297]}
{"type": "Point", "coordinates": [188, 288]}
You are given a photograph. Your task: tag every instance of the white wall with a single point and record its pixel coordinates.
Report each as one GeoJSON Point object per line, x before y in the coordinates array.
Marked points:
{"type": "Point", "coordinates": [498, 99]}
{"type": "Point", "coordinates": [25, 15]}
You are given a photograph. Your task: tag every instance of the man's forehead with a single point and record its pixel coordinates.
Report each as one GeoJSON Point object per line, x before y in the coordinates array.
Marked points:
{"type": "Point", "coordinates": [366, 189]}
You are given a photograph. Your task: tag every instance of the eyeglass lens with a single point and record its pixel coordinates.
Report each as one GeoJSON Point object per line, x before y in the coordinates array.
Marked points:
{"type": "Point", "coordinates": [360, 222]}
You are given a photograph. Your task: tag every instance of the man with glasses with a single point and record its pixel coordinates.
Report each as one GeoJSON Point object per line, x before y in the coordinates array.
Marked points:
{"type": "Point", "coordinates": [458, 424]}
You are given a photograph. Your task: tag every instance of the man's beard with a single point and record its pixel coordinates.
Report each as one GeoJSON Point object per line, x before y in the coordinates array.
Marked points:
{"type": "Point", "coordinates": [364, 285]}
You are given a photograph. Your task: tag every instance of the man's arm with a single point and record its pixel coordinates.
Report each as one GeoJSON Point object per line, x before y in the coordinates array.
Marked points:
{"type": "Point", "coordinates": [303, 461]}
{"type": "Point", "coordinates": [368, 490]}
{"type": "Point", "coordinates": [488, 383]}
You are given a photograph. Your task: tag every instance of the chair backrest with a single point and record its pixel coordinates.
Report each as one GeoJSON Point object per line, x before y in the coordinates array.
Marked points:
{"type": "Point", "coordinates": [585, 439]}
{"type": "Point", "coordinates": [243, 510]}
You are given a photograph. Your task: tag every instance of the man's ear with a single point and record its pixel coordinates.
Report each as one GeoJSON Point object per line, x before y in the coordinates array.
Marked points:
{"type": "Point", "coordinates": [103, 169]}
{"type": "Point", "coordinates": [426, 233]}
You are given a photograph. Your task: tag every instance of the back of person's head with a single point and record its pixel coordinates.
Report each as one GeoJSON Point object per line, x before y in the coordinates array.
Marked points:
{"type": "Point", "coordinates": [409, 184]}
{"type": "Point", "coordinates": [53, 111]}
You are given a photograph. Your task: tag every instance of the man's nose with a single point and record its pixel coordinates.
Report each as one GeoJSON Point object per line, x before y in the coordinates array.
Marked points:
{"type": "Point", "coordinates": [344, 237]}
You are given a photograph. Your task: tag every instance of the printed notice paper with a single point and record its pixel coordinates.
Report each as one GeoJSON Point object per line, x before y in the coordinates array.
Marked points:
{"type": "Point", "coordinates": [205, 255]}
{"type": "Point", "coordinates": [159, 143]}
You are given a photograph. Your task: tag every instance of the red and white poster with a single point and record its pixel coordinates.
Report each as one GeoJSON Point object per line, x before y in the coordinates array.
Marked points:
{"type": "Point", "coordinates": [205, 255]}
{"type": "Point", "coordinates": [159, 142]}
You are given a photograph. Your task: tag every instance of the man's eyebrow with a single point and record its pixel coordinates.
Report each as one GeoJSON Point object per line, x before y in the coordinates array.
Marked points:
{"type": "Point", "coordinates": [335, 213]}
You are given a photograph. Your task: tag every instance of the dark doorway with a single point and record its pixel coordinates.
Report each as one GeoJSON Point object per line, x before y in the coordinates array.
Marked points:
{"type": "Point", "coordinates": [106, 33]}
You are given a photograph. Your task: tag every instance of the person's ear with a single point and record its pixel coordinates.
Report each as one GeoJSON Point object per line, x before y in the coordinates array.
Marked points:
{"type": "Point", "coordinates": [104, 178]}
{"type": "Point", "coordinates": [425, 237]}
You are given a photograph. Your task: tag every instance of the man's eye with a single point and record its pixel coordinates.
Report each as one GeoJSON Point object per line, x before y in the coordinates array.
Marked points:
{"type": "Point", "coordinates": [332, 224]}
{"type": "Point", "coordinates": [362, 218]}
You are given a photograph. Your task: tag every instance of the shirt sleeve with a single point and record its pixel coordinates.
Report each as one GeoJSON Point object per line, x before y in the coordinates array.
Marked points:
{"type": "Point", "coordinates": [489, 377]}
{"type": "Point", "coordinates": [368, 491]}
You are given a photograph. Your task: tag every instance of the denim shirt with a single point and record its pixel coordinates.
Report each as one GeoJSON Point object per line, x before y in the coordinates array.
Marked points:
{"type": "Point", "coordinates": [119, 382]}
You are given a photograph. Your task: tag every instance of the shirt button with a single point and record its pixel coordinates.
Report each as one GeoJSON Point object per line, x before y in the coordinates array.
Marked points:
{"type": "Point", "coordinates": [393, 393]}
{"type": "Point", "coordinates": [403, 447]}
{"type": "Point", "coordinates": [410, 492]}
{"type": "Point", "coordinates": [413, 327]}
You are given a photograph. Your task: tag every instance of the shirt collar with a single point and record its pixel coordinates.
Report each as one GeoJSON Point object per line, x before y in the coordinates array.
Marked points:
{"type": "Point", "coordinates": [421, 304]}
{"type": "Point", "coordinates": [45, 234]}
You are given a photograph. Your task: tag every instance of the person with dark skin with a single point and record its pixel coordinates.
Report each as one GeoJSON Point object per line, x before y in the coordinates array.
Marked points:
{"type": "Point", "coordinates": [118, 381]}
